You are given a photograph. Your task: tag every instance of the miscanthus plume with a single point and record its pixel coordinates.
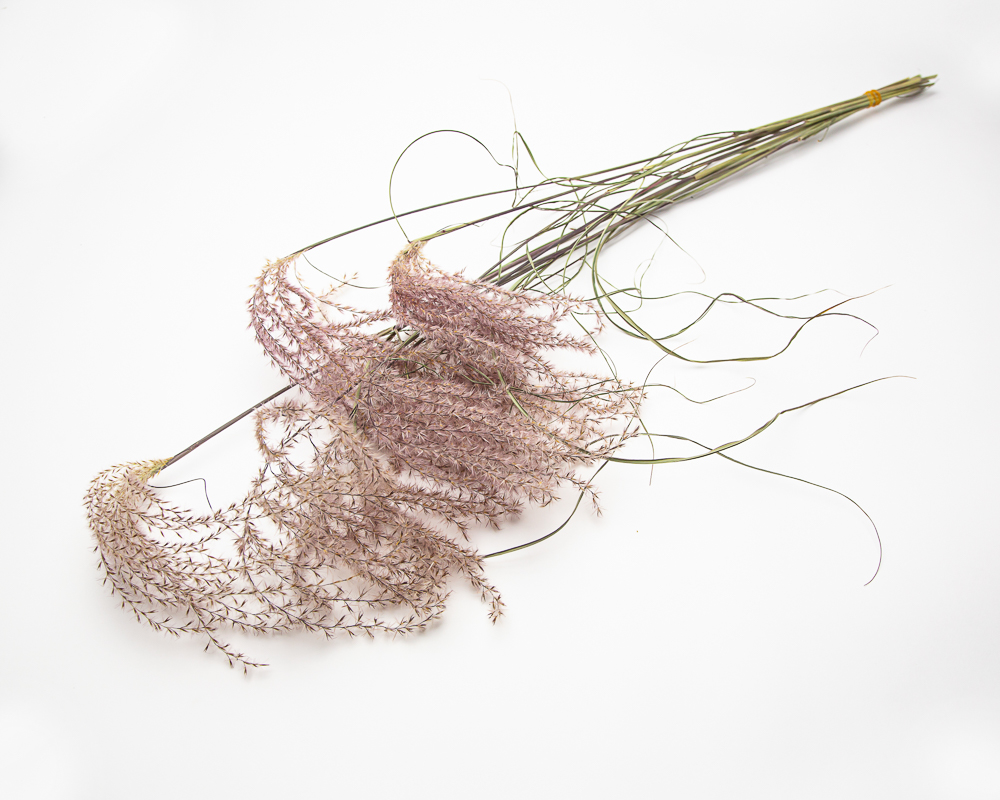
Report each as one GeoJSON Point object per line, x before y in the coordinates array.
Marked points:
{"type": "Point", "coordinates": [396, 444]}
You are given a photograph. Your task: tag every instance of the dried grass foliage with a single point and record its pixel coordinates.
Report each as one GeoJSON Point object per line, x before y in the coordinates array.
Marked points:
{"type": "Point", "coordinates": [415, 422]}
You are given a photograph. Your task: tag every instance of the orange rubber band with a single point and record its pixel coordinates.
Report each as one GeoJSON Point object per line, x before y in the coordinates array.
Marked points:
{"type": "Point", "coordinates": [874, 97]}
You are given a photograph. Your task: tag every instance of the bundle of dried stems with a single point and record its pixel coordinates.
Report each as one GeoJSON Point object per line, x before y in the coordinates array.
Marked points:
{"type": "Point", "coordinates": [412, 423]}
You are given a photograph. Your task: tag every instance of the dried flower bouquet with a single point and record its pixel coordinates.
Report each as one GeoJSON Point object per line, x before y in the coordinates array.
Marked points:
{"type": "Point", "coordinates": [412, 423]}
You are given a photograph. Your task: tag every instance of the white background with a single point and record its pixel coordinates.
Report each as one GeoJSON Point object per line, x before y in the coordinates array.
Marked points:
{"type": "Point", "coordinates": [710, 634]}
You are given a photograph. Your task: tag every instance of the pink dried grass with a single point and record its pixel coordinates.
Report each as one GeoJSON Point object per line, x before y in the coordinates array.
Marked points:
{"type": "Point", "coordinates": [454, 418]}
